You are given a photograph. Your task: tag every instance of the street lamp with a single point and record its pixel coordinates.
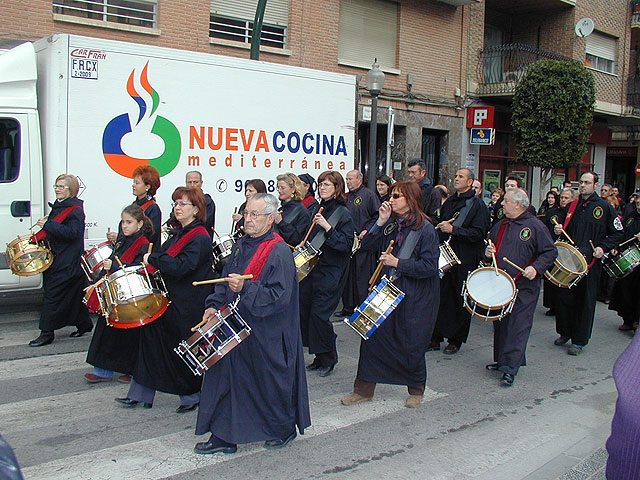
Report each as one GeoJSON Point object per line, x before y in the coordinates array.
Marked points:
{"type": "Point", "coordinates": [375, 82]}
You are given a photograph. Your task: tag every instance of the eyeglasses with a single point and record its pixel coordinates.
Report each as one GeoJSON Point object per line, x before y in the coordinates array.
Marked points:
{"type": "Point", "coordinates": [326, 184]}
{"type": "Point", "coordinates": [254, 215]}
{"type": "Point", "coordinates": [180, 204]}
{"type": "Point", "coordinates": [60, 187]}
{"type": "Point", "coordinates": [396, 195]}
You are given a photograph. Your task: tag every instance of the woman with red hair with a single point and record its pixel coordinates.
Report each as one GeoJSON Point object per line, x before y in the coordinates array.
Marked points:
{"type": "Point", "coordinates": [394, 354]}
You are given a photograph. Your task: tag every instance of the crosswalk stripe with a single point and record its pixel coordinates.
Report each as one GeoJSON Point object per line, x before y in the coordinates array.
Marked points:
{"type": "Point", "coordinates": [18, 338]}
{"type": "Point", "coordinates": [45, 365]}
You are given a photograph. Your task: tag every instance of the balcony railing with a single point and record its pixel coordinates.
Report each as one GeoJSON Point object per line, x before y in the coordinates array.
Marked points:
{"type": "Point", "coordinates": [501, 68]}
{"type": "Point", "coordinates": [633, 95]}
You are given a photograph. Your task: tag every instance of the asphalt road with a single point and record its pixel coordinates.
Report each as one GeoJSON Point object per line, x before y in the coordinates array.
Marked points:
{"type": "Point", "coordinates": [469, 427]}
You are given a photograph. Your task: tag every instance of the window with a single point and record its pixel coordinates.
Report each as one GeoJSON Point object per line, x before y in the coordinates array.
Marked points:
{"type": "Point", "coordinates": [140, 13]}
{"type": "Point", "coordinates": [233, 20]}
{"type": "Point", "coordinates": [601, 52]}
{"type": "Point", "coordinates": [368, 30]}
{"type": "Point", "coordinates": [9, 150]}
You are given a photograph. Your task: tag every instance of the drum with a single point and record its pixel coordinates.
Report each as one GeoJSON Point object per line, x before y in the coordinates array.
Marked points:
{"type": "Point", "coordinates": [224, 332]}
{"type": "Point", "coordinates": [448, 259]}
{"type": "Point", "coordinates": [305, 259]}
{"type": "Point", "coordinates": [381, 301]}
{"type": "Point", "coordinates": [222, 247]}
{"type": "Point", "coordinates": [93, 259]}
{"type": "Point", "coordinates": [622, 264]}
{"type": "Point", "coordinates": [91, 297]}
{"type": "Point", "coordinates": [27, 258]}
{"type": "Point", "coordinates": [488, 296]}
{"type": "Point", "coordinates": [568, 268]}
{"type": "Point", "coordinates": [132, 297]}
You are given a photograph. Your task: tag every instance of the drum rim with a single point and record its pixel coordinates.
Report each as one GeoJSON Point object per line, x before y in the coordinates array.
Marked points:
{"type": "Point", "coordinates": [574, 250]}
{"type": "Point", "coordinates": [503, 273]}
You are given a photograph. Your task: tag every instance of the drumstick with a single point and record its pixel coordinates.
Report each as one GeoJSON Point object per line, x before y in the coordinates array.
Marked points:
{"type": "Point", "coordinates": [306, 237]}
{"type": "Point", "coordinates": [555, 222]}
{"type": "Point", "coordinates": [149, 247]}
{"type": "Point", "coordinates": [378, 269]}
{"type": "Point", "coordinates": [627, 241]}
{"type": "Point", "coordinates": [221, 280]}
{"type": "Point", "coordinates": [593, 247]}
{"type": "Point", "coordinates": [513, 264]}
{"type": "Point", "coordinates": [493, 257]}
{"type": "Point", "coordinates": [450, 221]}
{"type": "Point", "coordinates": [291, 247]}
{"type": "Point", "coordinates": [233, 224]}
{"type": "Point", "coordinates": [119, 262]}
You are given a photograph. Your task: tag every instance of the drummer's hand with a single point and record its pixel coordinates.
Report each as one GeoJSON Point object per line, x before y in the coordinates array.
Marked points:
{"type": "Point", "coordinates": [557, 229]}
{"type": "Point", "coordinates": [529, 272]}
{"type": "Point", "coordinates": [384, 213]}
{"type": "Point", "coordinates": [362, 234]}
{"type": "Point", "coordinates": [318, 219]}
{"type": "Point", "coordinates": [107, 264]}
{"type": "Point", "coordinates": [208, 314]}
{"type": "Point", "coordinates": [490, 250]}
{"type": "Point", "coordinates": [389, 260]}
{"type": "Point", "coordinates": [614, 251]}
{"type": "Point", "coordinates": [637, 235]}
{"type": "Point", "coordinates": [235, 284]}
{"type": "Point", "coordinates": [236, 217]}
{"type": "Point", "coordinates": [112, 236]}
{"type": "Point", "coordinates": [445, 227]}
{"type": "Point", "coordinates": [278, 218]}
{"type": "Point", "coordinates": [145, 257]}
{"type": "Point", "coordinates": [41, 222]}
{"type": "Point", "coordinates": [598, 252]}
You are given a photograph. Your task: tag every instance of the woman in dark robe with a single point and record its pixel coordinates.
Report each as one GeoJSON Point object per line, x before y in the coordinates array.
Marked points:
{"type": "Point", "coordinates": [552, 211]}
{"type": "Point", "coordinates": [64, 280]}
{"type": "Point", "coordinates": [250, 189]}
{"type": "Point", "coordinates": [395, 353]}
{"type": "Point", "coordinates": [116, 349]}
{"type": "Point", "coordinates": [294, 220]}
{"type": "Point", "coordinates": [146, 182]}
{"type": "Point", "coordinates": [383, 187]}
{"type": "Point", "coordinates": [321, 290]}
{"type": "Point", "coordinates": [309, 198]}
{"type": "Point", "coordinates": [182, 259]}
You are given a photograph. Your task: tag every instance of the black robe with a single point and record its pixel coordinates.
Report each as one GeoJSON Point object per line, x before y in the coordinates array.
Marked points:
{"type": "Point", "coordinates": [395, 352]}
{"type": "Point", "coordinates": [295, 222]}
{"type": "Point", "coordinates": [526, 241]}
{"type": "Point", "coordinates": [111, 348]}
{"type": "Point", "coordinates": [550, 291]}
{"type": "Point", "coordinates": [210, 224]}
{"type": "Point", "coordinates": [467, 241]}
{"type": "Point", "coordinates": [258, 391]}
{"type": "Point", "coordinates": [320, 290]}
{"type": "Point", "coordinates": [363, 205]}
{"type": "Point", "coordinates": [64, 280]}
{"type": "Point", "coordinates": [311, 203]}
{"type": "Point", "coordinates": [594, 220]}
{"type": "Point", "coordinates": [158, 367]}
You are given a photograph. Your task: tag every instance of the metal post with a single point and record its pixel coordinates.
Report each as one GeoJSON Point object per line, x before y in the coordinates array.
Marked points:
{"type": "Point", "coordinates": [373, 133]}
{"type": "Point", "coordinates": [257, 30]}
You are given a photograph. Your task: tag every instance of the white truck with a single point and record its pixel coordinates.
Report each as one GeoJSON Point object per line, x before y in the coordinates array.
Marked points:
{"type": "Point", "coordinates": [99, 108]}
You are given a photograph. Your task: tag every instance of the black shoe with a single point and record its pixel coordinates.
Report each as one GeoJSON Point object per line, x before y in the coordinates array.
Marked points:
{"type": "Point", "coordinates": [561, 340]}
{"type": "Point", "coordinates": [127, 402]}
{"type": "Point", "coordinates": [326, 371]}
{"type": "Point", "coordinates": [343, 313]}
{"type": "Point", "coordinates": [451, 348]}
{"type": "Point", "coordinates": [315, 365]}
{"type": "Point", "coordinates": [281, 442]}
{"type": "Point", "coordinates": [215, 445]}
{"type": "Point", "coordinates": [42, 340]}
{"type": "Point", "coordinates": [186, 408]}
{"type": "Point", "coordinates": [492, 366]}
{"type": "Point", "coordinates": [550, 313]}
{"type": "Point", "coordinates": [433, 346]}
{"type": "Point", "coordinates": [81, 331]}
{"type": "Point", "coordinates": [507, 379]}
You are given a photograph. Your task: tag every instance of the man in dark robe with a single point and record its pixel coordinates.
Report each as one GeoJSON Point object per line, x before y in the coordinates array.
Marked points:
{"type": "Point", "coordinates": [431, 197]}
{"type": "Point", "coordinates": [194, 180]}
{"type": "Point", "coordinates": [465, 224]}
{"type": "Point", "coordinates": [258, 391]}
{"type": "Point", "coordinates": [363, 205]}
{"type": "Point", "coordinates": [594, 226]}
{"type": "Point", "coordinates": [524, 240]}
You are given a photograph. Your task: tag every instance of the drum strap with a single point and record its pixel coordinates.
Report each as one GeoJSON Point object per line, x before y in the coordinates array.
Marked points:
{"type": "Point", "coordinates": [147, 204]}
{"type": "Point", "coordinates": [406, 249]}
{"type": "Point", "coordinates": [259, 259]}
{"type": "Point", "coordinates": [58, 218]}
{"type": "Point", "coordinates": [320, 237]}
{"type": "Point", "coordinates": [462, 216]}
{"type": "Point", "coordinates": [290, 215]}
{"type": "Point", "coordinates": [307, 200]}
{"type": "Point", "coordinates": [572, 209]}
{"type": "Point", "coordinates": [177, 247]}
{"type": "Point", "coordinates": [130, 255]}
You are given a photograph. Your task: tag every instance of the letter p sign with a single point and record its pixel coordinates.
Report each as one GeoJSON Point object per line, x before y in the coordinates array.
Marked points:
{"type": "Point", "coordinates": [480, 117]}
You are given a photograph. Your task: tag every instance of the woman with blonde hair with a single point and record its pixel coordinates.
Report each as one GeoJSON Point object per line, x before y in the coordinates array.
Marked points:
{"type": "Point", "coordinates": [293, 219]}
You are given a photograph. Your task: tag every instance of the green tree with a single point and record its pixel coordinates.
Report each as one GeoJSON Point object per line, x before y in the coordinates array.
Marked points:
{"type": "Point", "coordinates": [552, 115]}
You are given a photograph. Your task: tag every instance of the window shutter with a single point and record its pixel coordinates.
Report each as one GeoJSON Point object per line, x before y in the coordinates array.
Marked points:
{"type": "Point", "coordinates": [602, 46]}
{"type": "Point", "coordinates": [276, 12]}
{"type": "Point", "coordinates": [368, 30]}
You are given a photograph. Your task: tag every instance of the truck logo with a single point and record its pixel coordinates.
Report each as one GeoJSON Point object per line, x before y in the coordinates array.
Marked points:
{"type": "Point", "coordinates": [153, 140]}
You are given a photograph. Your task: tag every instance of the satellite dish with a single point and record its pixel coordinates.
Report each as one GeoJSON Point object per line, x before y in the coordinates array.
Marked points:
{"type": "Point", "coordinates": [584, 27]}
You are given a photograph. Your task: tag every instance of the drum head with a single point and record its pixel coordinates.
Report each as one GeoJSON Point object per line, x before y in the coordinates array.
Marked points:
{"type": "Point", "coordinates": [570, 258]}
{"type": "Point", "coordinates": [489, 289]}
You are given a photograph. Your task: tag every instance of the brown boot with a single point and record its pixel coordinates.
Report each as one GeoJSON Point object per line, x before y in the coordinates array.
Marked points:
{"type": "Point", "coordinates": [354, 398]}
{"type": "Point", "coordinates": [413, 401]}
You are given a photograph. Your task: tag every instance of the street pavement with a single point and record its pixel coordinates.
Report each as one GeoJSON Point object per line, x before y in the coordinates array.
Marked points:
{"type": "Point", "coordinates": [551, 424]}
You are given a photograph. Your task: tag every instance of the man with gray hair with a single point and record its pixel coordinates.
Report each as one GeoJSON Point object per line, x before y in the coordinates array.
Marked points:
{"type": "Point", "coordinates": [525, 241]}
{"type": "Point", "coordinates": [193, 179]}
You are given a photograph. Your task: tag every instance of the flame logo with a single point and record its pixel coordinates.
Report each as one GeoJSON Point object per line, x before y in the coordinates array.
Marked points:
{"type": "Point", "coordinates": [150, 129]}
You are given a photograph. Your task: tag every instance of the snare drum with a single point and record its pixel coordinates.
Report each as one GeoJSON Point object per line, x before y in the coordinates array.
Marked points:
{"type": "Point", "coordinates": [225, 331]}
{"type": "Point", "coordinates": [132, 297]}
{"type": "Point", "coordinates": [622, 264]}
{"type": "Point", "coordinates": [27, 258]}
{"type": "Point", "coordinates": [222, 247]}
{"type": "Point", "coordinates": [305, 259]}
{"type": "Point", "coordinates": [488, 296]}
{"type": "Point", "coordinates": [93, 259]}
{"type": "Point", "coordinates": [383, 299]}
{"type": "Point", "coordinates": [568, 268]}
{"type": "Point", "coordinates": [448, 259]}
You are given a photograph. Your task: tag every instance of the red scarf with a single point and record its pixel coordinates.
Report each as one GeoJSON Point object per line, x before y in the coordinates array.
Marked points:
{"type": "Point", "coordinates": [259, 259]}
{"type": "Point", "coordinates": [501, 231]}
{"type": "Point", "coordinates": [147, 204]}
{"type": "Point", "coordinates": [41, 235]}
{"type": "Point", "coordinates": [177, 247]}
{"type": "Point", "coordinates": [307, 200]}
{"type": "Point", "coordinates": [130, 254]}
{"type": "Point", "coordinates": [572, 209]}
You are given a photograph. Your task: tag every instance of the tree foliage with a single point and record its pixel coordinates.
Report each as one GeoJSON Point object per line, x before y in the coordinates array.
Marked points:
{"type": "Point", "coordinates": [552, 114]}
